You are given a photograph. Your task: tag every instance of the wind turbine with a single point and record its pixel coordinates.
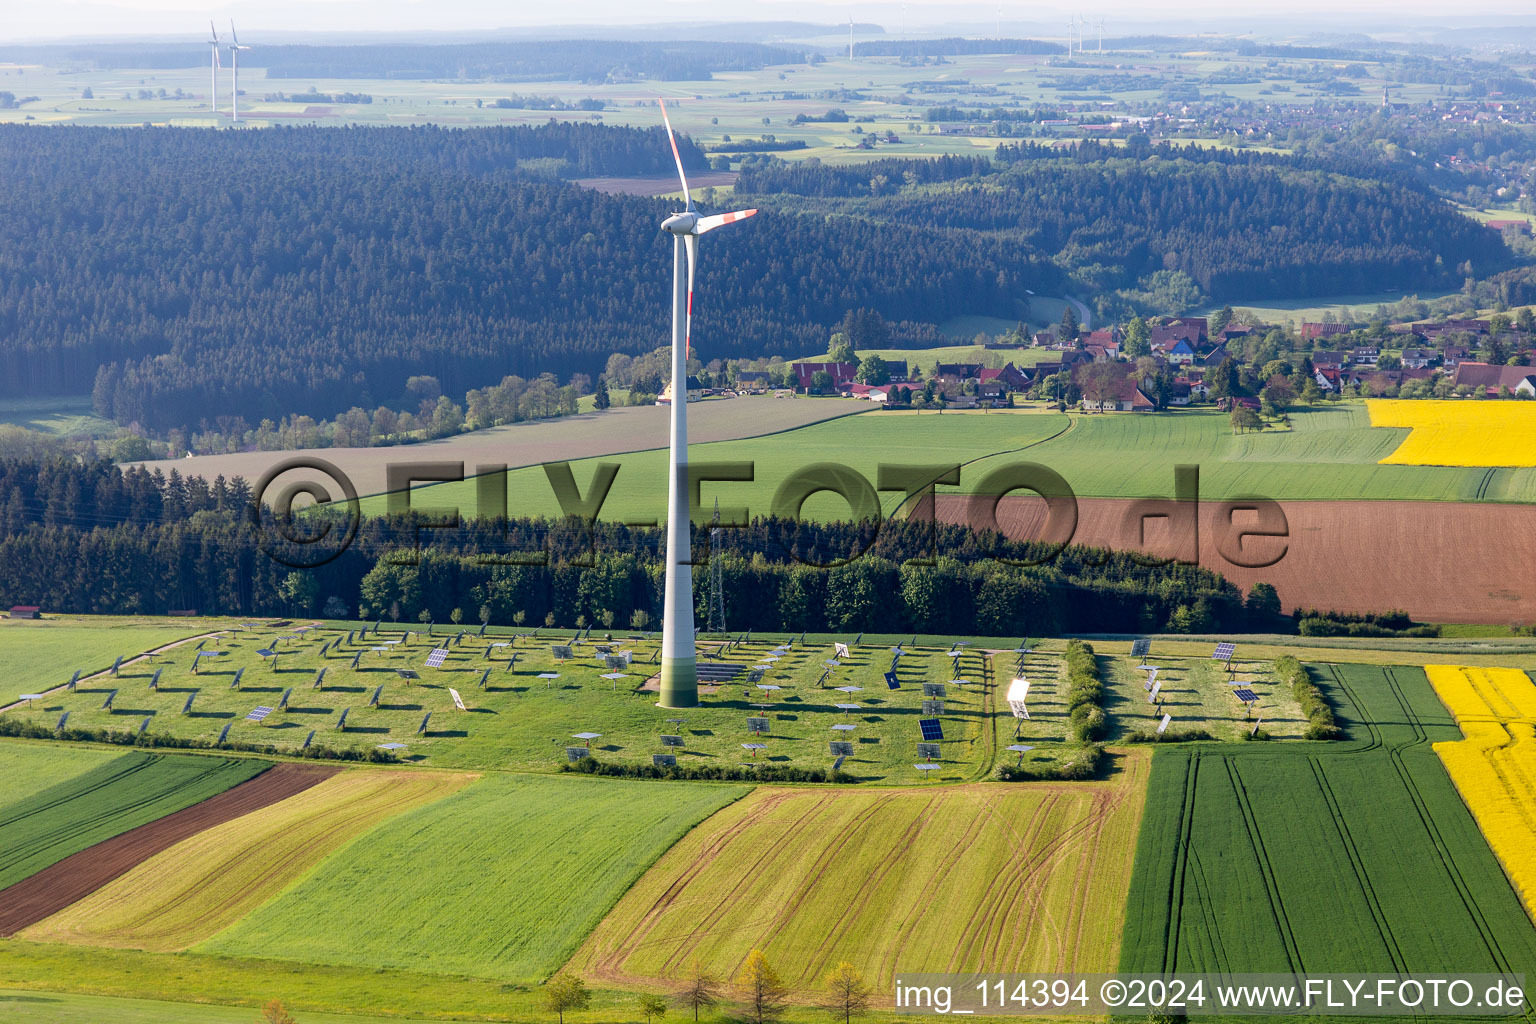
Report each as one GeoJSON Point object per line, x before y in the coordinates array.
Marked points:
{"type": "Point", "coordinates": [234, 71]}
{"type": "Point", "coordinates": [679, 656]}
{"type": "Point", "coordinates": [213, 71]}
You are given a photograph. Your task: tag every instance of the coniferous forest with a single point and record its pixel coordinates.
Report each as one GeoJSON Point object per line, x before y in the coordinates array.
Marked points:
{"type": "Point", "coordinates": [182, 274]}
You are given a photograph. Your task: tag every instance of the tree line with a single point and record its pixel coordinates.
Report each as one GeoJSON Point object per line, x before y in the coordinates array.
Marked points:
{"type": "Point", "coordinates": [186, 274]}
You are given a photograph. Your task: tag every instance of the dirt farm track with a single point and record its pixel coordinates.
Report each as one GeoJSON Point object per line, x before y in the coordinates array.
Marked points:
{"type": "Point", "coordinates": [79, 875]}
{"type": "Point", "coordinates": [1439, 561]}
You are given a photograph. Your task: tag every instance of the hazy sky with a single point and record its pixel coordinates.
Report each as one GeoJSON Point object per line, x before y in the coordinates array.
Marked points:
{"type": "Point", "coordinates": [21, 19]}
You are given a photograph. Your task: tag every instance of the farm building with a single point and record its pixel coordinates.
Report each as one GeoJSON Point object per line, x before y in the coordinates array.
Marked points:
{"type": "Point", "coordinates": [1312, 331]}
{"type": "Point", "coordinates": [26, 611]}
{"type": "Point", "coordinates": [1493, 380]}
{"type": "Point", "coordinates": [842, 373]}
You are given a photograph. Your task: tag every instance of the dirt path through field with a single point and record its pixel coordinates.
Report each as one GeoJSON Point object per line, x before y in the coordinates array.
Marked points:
{"type": "Point", "coordinates": [56, 887]}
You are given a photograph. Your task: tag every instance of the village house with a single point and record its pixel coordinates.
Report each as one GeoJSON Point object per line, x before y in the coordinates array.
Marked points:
{"type": "Point", "coordinates": [1492, 380]}
{"type": "Point", "coordinates": [1312, 331]}
{"type": "Point", "coordinates": [1417, 358]}
{"type": "Point", "coordinates": [842, 374]}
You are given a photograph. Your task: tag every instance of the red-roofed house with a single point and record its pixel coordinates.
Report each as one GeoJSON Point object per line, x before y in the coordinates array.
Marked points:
{"type": "Point", "coordinates": [1312, 331]}
{"type": "Point", "coordinates": [1491, 380]}
{"type": "Point", "coordinates": [842, 373]}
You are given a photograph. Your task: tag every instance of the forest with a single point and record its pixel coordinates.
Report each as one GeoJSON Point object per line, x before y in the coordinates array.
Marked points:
{"type": "Point", "coordinates": [183, 274]}
{"type": "Point", "coordinates": [179, 274]}
{"type": "Point", "coordinates": [1238, 226]}
{"type": "Point", "coordinates": [80, 536]}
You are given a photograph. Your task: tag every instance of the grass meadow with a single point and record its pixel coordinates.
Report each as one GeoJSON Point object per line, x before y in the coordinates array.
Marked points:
{"type": "Point", "coordinates": [203, 884]}
{"type": "Point", "coordinates": [501, 880]}
{"type": "Point", "coordinates": [107, 800]}
{"type": "Point", "coordinates": [1352, 856]}
{"type": "Point", "coordinates": [29, 766]}
{"type": "Point", "coordinates": [39, 654]}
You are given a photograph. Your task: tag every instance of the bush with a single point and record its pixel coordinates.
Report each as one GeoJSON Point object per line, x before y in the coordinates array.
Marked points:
{"type": "Point", "coordinates": [1170, 736]}
{"type": "Point", "coordinates": [722, 773]}
{"type": "Point", "coordinates": [1085, 762]}
{"type": "Point", "coordinates": [1087, 723]}
{"type": "Point", "coordinates": [1321, 724]}
{"type": "Point", "coordinates": [129, 738]}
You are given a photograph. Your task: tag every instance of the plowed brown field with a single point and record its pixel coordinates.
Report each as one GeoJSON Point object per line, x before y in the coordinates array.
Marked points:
{"type": "Point", "coordinates": [1440, 561]}
{"type": "Point", "coordinates": [76, 876]}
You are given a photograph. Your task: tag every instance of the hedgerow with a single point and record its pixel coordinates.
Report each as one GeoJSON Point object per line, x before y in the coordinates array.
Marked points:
{"type": "Point", "coordinates": [722, 773]}
{"type": "Point", "coordinates": [1084, 763]}
{"type": "Point", "coordinates": [1320, 721]}
{"type": "Point", "coordinates": [1086, 716]}
{"type": "Point", "coordinates": [128, 738]}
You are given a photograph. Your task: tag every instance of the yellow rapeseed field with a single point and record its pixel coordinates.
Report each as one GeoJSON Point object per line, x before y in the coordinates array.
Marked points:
{"type": "Point", "coordinates": [1494, 768]}
{"type": "Point", "coordinates": [1459, 432]}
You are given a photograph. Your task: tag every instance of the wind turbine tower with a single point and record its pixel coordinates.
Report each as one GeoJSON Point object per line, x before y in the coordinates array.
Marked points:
{"type": "Point", "coordinates": [679, 655]}
{"type": "Point", "coordinates": [234, 73]}
{"type": "Point", "coordinates": [213, 71]}
{"type": "Point", "coordinates": [850, 37]}
{"type": "Point", "coordinates": [1101, 33]}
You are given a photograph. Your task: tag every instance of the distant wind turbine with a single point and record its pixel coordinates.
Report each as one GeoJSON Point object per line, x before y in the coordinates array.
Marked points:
{"type": "Point", "coordinates": [234, 71]}
{"type": "Point", "coordinates": [679, 656]}
{"type": "Point", "coordinates": [213, 70]}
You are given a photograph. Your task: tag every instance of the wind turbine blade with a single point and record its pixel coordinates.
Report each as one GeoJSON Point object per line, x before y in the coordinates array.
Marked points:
{"type": "Point", "coordinates": [719, 219]}
{"type": "Point", "coordinates": [676, 156]}
{"type": "Point", "coordinates": [232, 34]}
{"type": "Point", "coordinates": [691, 243]}
{"type": "Point", "coordinates": [213, 30]}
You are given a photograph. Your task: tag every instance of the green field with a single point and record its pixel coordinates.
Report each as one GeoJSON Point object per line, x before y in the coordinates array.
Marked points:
{"type": "Point", "coordinates": [59, 415]}
{"type": "Point", "coordinates": [888, 880]}
{"type": "Point", "coordinates": [501, 880]}
{"type": "Point", "coordinates": [122, 794]}
{"type": "Point", "coordinates": [1354, 856]}
{"type": "Point", "coordinates": [43, 653]}
{"type": "Point", "coordinates": [1331, 453]}
{"type": "Point", "coordinates": [29, 766]}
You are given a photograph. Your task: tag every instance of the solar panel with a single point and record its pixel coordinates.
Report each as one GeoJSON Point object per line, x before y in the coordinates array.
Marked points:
{"type": "Point", "coordinates": [891, 681]}
{"type": "Point", "coordinates": [928, 750]}
{"type": "Point", "coordinates": [117, 663]}
{"type": "Point", "coordinates": [840, 650]}
{"type": "Point", "coordinates": [458, 701]}
{"type": "Point", "coordinates": [186, 708]}
{"type": "Point", "coordinates": [850, 689]}
{"type": "Point", "coordinates": [754, 675]}
{"type": "Point", "coordinates": [933, 729]}
{"type": "Point", "coordinates": [1151, 676]}
{"type": "Point", "coordinates": [586, 735]}
{"type": "Point", "coordinates": [391, 746]}
{"type": "Point", "coordinates": [757, 725]}
{"type": "Point", "coordinates": [154, 680]}
{"type": "Point", "coordinates": [258, 713]}
{"type": "Point", "coordinates": [341, 723]}
{"type": "Point", "coordinates": [1246, 695]}
{"type": "Point", "coordinates": [63, 719]}
{"type": "Point", "coordinates": [576, 753]}
{"type": "Point", "coordinates": [672, 741]}
{"type": "Point", "coordinates": [142, 726]}
{"type": "Point", "coordinates": [846, 707]}
{"type": "Point", "coordinates": [1141, 648]}
{"type": "Point", "coordinates": [107, 704]}
{"type": "Point", "coordinates": [356, 658]}
{"type": "Point", "coordinates": [320, 675]}
{"type": "Point", "coordinates": [933, 690]}
{"type": "Point", "coordinates": [437, 657]}
{"type": "Point", "coordinates": [926, 767]}
{"type": "Point", "coordinates": [1224, 652]}
{"type": "Point", "coordinates": [74, 679]}
{"type": "Point", "coordinates": [307, 740]}
{"type": "Point", "coordinates": [845, 726]}
{"type": "Point", "coordinates": [1162, 726]}
{"type": "Point", "coordinates": [933, 707]}
{"type": "Point", "coordinates": [754, 747]}
{"type": "Point", "coordinates": [267, 652]}
{"type": "Point", "coordinates": [664, 760]}
{"type": "Point", "coordinates": [838, 764]}
{"type": "Point", "coordinates": [1157, 688]}
{"type": "Point", "coordinates": [29, 697]}
{"type": "Point", "coordinates": [770, 687]}
{"type": "Point", "coordinates": [407, 673]}
{"type": "Point", "coordinates": [373, 701]}
{"type": "Point", "coordinates": [1021, 748]}
{"type": "Point", "coordinates": [549, 675]}
{"type": "Point", "coordinates": [282, 702]}
{"type": "Point", "coordinates": [840, 748]}
{"type": "Point", "coordinates": [422, 728]}
{"type": "Point", "coordinates": [483, 677]}
{"type": "Point", "coordinates": [562, 652]}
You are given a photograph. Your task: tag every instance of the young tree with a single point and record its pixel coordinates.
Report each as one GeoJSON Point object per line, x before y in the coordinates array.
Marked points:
{"type": "Point", "coordinates": [1220, 321]}
{"type": "Point", "coordinates": [840, 349]}
{"type": "Point", "coordinates": [485, 615]}
{"type": "Point", "coordinates": [1069, 322]}
{"type": "Point", "coordinates": [565, 992]}
{"type": "Point", "coordinates": [1138, 339]}
{"type": "Point", "coordinates": [822, 382]}
{"type": "Point", "coordinates": [601, 399]}
{"type": "Point", "coordinates": [1263, 601]}
{"type": "Point", "coordinates": [456, 616]}
{"type": "Point", "coordinates": [394, 611]}
{"type": "Point", "coordinates": [847, 992]}
{"type": "Point", "coordinates": [873, 370]}
{"type": "Point", "coordinates": [1244, 418]}
{"type": "Point", "coordinates": [701, 990]}
{"type": "Point", "coordinates": [652, 1008]}
{"type": "Point", "coordinates": [275, 1013]}
{"type": "Point", "coordinates": [762, 993]}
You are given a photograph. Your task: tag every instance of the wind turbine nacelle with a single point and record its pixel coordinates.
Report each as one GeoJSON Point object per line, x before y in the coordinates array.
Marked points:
{"type": "Point", "coordinates": [681, 223]}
